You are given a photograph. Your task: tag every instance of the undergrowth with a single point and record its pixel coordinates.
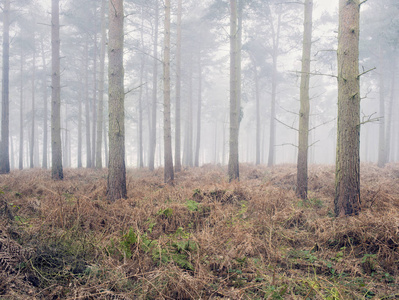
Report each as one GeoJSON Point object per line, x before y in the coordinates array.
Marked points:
{"type": "Point", "coordinates": [203, 238]}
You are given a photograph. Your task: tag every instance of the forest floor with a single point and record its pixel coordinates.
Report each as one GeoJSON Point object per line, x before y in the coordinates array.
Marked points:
{"type": "Point", "coordinates": [203, 238]}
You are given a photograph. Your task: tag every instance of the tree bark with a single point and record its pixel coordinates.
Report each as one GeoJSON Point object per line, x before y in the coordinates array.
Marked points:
{"type": "Point", "coordinates": [199, 106]}
{"type": "Point", "coordinates": [5, 101]}
{"type": "Point", "coordinates": [178, 91]}
{"type": "Point", "coordinates": [56, 147]}
{"type": "Point", "coordinates": [87, 104]}
{"type": "Point", "coordinates": [381, 132]}
{"type": "Point", "coordinates": [21, 114]}
{"type": "Point", "coordinates": [100, 115]}
{"type": "Point", "coordinates": [168, 160]}
{"type": "Point", "coordinates": [45, 104]}
{"type": "Point", "coordinates": [80, 109]}
{"type": "Point", "coordinates": [233, 166]}
{"type": "Point", "coordinates": [140, 125]}
{"type": "Point", "coordinates": [303, 138]}
{"type": "Point", "coordinates": [94, 100]}
{"type": "Point", "coordinates": [347, 178]}
{"type": "Point", "coordinates": [153, 137]}
{"type": "Point", "coordinates": [390, 109]}
{"type": "Point", "coordinates": [117, 170]}
{"type": "Point", "coordinates": [32, 137]}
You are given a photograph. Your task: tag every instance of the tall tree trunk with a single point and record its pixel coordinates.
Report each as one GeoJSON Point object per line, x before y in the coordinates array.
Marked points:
{"type": "Point", "coordinates": [381, 133]}
{"type": "Point", "coordinates": [21, 114]}
{"type": "Point", "coordinates": [272, 137]}
{"type": "Point", "coordinates": [257, 97]}
{"type": "Point", "coordinates": [45, 104]}
{"type": "Point", "coordinates": [5, 102]}
{"type": "Point", "coordinates": [198, 142]}
{"type": "Point", "coordinates": [168, 159]}
{"type": "Point", "coordinates": [80, 109]}
{"type": "Point", "coordinates": [94, 99]}
{"type": "Point", "coordinates": [153, 137]}
{"type": "Point", "coordinates": [117, 169]}
{"type": "Point", "coordinates": [87, 105]}
{"type": "Point", "coordinates": [140, 127]}
{"type": "Point", "coordinates": [105, 137]}
{"type": "Point", "coordinates": [303, 138]}
{"type": "Point", "coordinates": [347, 178]}
{"type": "Point", "coordinates": [233, 167]}
{"type": "Point", "coordinates": [32, 137]}
{"type": "Point", "coordinates": [390, 109]}
{"type": "Point", "coordinates": [100, 116]}
{"type": "Point", "coordinates": [178, 91]}
{"type": "Point", "coordinates": [56, 150]}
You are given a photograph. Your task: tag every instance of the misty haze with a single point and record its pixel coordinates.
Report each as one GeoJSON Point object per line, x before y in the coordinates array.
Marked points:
{"type": "Point", "coordinates": [170, 149]}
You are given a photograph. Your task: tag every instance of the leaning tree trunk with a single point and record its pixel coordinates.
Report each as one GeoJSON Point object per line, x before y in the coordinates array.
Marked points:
{"type": "Point", "coordinates": [117, 169]}
{"type": "Point", "coordinates": [303, 139]}
{"type": "Point", "coordinates": [56, 147]}
{"type": "Point", "coordinates": [5, 102]}
{"type": "Point", "coordinates": [347, 177]}
{"type": "Point", "coordinates": [168, 159]}
{"type": "Point", "coordinates": [233, 166]}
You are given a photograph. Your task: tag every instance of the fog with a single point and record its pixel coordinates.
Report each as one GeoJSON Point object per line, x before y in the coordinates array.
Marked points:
{"type": "Point", "coordinates": [272, 32]}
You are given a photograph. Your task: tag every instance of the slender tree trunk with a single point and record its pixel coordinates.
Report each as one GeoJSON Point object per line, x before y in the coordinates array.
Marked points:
{"type": "Point", "coordinates": [117, 169]}
{"type": "Point", "coordinates": [106, 150]}
{"type": "Point", "coordinates": [94, 103]}
{"type": "Point", "coordinates": [153, 137]}
{"type": "Point", "coordinates": [45, 104]}
{"type": "Point", "coordinates": [257, 97]}
{"type": "Point", "coordinates": [303, 138]}
{"type": "Point", "coordinates": [233, 167]}
{"type": "Point", "coordinates": [189, 150]}
{"type": "Point", "coordinates": [140, 127]}
{"type": "Point", "coordinates": [5, 102]}
{"type": "Point", "coordinates": [32, 137]}
{"type": "Point", "coordinates": [21, 114]}
{"type": "Point", "coordinates": [272, 138]}
{"type": "Point", "coordinates": [12, 161]}
{"type": "Point", "coordinates": [168, 159]}
{"type": "Point", "coordinates": [198, 142]}
{"type": "Point", "coordinates": [347, 178]}
{"type": "Point", "coordinates": [381, 134]}
{"type": "Point", "coordinates": [178, 90]}
{"type": "Point", "coordinates": [390, 109]}
{"type": "Point", "coordinates": [100, 116]}
{"type": "Point", "coordinates": [87, 104]}
{"type": "Point", "coordinates": [56, 150]}
{"type": "Point", "coordinates": [80, 109]}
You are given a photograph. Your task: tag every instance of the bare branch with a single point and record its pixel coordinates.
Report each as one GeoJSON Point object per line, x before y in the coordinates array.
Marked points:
{"type": "Point", "coordinates": [291, 127]}
{"type": "Point", "coordinates": [324, 123]}
{"type": "Point", "coordinates": [315, 74]}
{"type": "Point", "coordinates": [362, 2]}
{"type": "Point", "coordinates": [287, 144]}
{"type": "Point", "coordinates": [314, 143]}
{"type": "Point", "coordinates": [365, 72]}
{"type": "Point", "coordinates": [369, 119]}
{"type": "Point", "coordinates": [288, 111]}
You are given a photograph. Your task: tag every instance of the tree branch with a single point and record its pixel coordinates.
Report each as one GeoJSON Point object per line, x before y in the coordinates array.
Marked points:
{"type": "Point", "coordinates": [287, 144]}
{"type": "Point", "coordinates": [291, 127]}
{"type": "Point", "coordinates": [365, 72]}
{"type": "Point", "coordinates": [324, 123]}
{"type": "Point", "coordinates": [315, 74]}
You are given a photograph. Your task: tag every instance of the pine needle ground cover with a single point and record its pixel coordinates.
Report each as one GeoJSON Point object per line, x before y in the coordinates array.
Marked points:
{"type": "Point", "coordinates": [202, 238]}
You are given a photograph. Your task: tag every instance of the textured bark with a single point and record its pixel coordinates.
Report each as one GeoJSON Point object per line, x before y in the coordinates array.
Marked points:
{"type": "Point", "coordinates": [153, 137]}
{"type": "Point", "coordinates": [140, 127]}
{"type": "Point", "coordinates": [178, 91]}
{"type": "Point", "coordinates": [100, 115]}
{"type": "Point", "coordinates": [168, 160]}
{"type": "Point", "coordinates": [347, 178]}
{"type": "Point", "coordinates": [5, 101]}
{"type": "Point", "coordinates": [117, 170]}
{"type": "Point", "coordinates": [45, 104]}
{"type": "Point", "coordinates": [303, 138]}
{"type": "Point", "coordinates": [56, 147]}
{"type": "Point", "coordinates": [233, 166]}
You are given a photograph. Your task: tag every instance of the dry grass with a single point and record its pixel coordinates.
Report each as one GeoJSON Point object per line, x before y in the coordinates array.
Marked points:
{"type": "Point", "coordinates": [204, 238]}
